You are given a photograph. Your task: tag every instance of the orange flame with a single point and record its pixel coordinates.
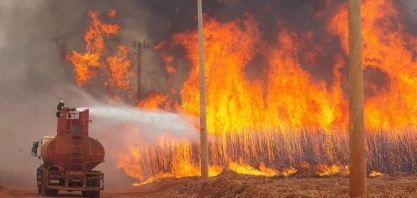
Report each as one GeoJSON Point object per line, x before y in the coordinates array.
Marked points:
{"type": "Point", "coordinates": [261, 103]}
{"type": "Point", "coordinates": [120, 69]}
{"type": "Point", "coordinates": [387, 48]}
{"type": "Point", "coordinates": [168, 62]}
{"type": "Point", "coordinates": [284, 97]}
{"type": "Point", "coordinates": [117, 70]}
{"type": "Point", "coordinates": [181, 153]}
{"type": "Point", "coordinates": [333, 169]}
{"type": "Point", "coordinates": [111, 13]}
{"type": "Point", "coordinates": [277, 114]}
{"type": "Point", "coordinates": [375, 174]}
{"type": "Point", "coordinates": [153, 102]}
{"type": "Point", "coordinates": [249, 170]}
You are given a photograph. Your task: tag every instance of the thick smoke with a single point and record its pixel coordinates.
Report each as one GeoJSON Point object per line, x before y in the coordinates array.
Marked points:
{"type": "Point", "coordinates": [410, 8]}
{"type": "Point", "coordinates": [300, 16]}
{"type": "Point", "coordinates": [33, 78]}
{"type": "Point", "coordinates": [317, 51]}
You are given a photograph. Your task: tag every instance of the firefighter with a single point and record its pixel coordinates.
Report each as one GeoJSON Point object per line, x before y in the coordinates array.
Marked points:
{"type": "Point", "coordinates": [59, 107]}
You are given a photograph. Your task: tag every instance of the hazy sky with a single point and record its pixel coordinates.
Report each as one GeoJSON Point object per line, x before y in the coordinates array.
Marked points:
{"type": "Point", "coordinates": [32, 78]}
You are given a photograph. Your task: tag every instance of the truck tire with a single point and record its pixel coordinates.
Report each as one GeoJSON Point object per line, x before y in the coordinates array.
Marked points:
{"type": "Point", "coordinates": [90, 183]}
{"type": "Point", "coordinates": [44, 191]}
{"type": "Point", "coordinates": [49, 192]}
{"type": "Point", "coordinates": [39, 173]}
{"type": "Point", "coordinates": [43, 186]}
{"type": "Point", "coordinates": [52, 192]}
{"type": "Point", "coordinates": [96, 183]}
{"type": "Point", "coordinates": [86, 193]}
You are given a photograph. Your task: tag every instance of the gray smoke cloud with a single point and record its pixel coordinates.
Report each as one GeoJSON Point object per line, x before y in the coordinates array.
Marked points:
{"type": "Point", "coordinates": [33, 78]}
{"type": "Point", "coordinates": [411, 6]}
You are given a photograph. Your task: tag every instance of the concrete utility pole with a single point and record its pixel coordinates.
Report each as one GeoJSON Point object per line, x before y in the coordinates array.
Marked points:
{"type": "Point", "coordinates": [203, 121]}
{"type": "Point", "coordinates": [356, 105]}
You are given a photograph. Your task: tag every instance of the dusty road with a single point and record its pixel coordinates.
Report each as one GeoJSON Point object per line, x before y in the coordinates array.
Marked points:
{"type": "Point", "coordinates": [33, 194]}
{"type": "Point", "coordinates": [230, 185]}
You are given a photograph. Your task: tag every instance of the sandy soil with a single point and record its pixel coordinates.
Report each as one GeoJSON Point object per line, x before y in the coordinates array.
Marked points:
{"type": "Point", "coordinates": [232, 185]}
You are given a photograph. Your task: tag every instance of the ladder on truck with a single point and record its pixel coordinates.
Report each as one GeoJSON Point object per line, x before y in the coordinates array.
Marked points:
{"type": "Point", "coordinates": [76, 153]}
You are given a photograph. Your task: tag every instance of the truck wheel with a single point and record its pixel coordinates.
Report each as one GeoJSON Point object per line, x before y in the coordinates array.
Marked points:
{"type": "Point", "coordinates": [90, 183]}
{"type": "Point", "coordinates": [95, 194]}
{"type": "Point", "coordinates": [96, 183]}
{"type": "Point", "coordinates": [43, 187]}
{"type": "Point", "coordinates": [86, 193]}
{"type": "Point", "coordinates": [52, 192]}
{"type": "Point", "coordinates": [39, 179]}
{"type": "Point", "coordinates": [44, 191]}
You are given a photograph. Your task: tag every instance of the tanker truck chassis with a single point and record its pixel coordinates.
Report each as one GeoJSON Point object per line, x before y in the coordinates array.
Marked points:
{"type": "Point", "coordinates": [50, 180]}
{"type": "Point", "coordinates": [67, 159]}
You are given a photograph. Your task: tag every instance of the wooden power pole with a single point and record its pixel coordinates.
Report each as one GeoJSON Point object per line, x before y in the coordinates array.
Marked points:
{"type": "Point", "coordinates": [139, 46]}
{"type": "Point", "coordinates": [203, 121]}
{"type": "Point", "coordinates": [142, 47]}
{"type": "Point", "coordinates": [358, 186]}
{"type": "Point", "coordinates": [139, 71]}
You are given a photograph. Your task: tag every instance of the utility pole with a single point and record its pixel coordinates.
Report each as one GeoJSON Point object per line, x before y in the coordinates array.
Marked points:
{"type": "Point", "coordinates": [358, 186]}
{"type": "Point", "coordinates": [203, 121]}
{"type": "Point", "coordinates": [63, 46]}
{"type": "Point", "coordinates": [142, 47]}
{"type": "Point", "coordinates": [61, 42]}
{"type": "Point", "coordinates": [138, 46]}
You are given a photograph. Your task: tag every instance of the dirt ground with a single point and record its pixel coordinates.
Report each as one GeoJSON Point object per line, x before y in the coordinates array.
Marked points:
{"type": "Point", "coordinates": [231, 185]}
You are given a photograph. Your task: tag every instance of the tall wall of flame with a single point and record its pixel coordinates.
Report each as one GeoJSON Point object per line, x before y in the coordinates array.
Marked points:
{"type": "Point", "coordinates": [297, 77]}
{"type": "Point", "coordinates": [276, 82]}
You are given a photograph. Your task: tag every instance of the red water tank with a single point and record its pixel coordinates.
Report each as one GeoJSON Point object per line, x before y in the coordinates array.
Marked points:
{"type": "Point", "coordinates": [60, 150]}
{"type": "Point", "coordinates": [72, 148]}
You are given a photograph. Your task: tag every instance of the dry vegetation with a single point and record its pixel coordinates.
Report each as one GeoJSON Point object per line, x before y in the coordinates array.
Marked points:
{"type": "Point", "coordinates": [231, 185]}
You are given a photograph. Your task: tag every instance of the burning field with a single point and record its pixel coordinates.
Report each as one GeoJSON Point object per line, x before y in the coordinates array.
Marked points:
{"type": "Point", "coordinates": [276, 91]}
{"type": "Point", "coordinates": [276, 87]}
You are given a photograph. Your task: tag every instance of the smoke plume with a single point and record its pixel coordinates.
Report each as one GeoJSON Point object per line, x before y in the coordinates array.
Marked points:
{"type": "Point", "coordinates": [33, 78]}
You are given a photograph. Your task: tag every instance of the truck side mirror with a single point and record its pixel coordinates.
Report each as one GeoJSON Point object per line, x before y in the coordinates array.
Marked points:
{"type": "Point", "coordinates": [35, 149]}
